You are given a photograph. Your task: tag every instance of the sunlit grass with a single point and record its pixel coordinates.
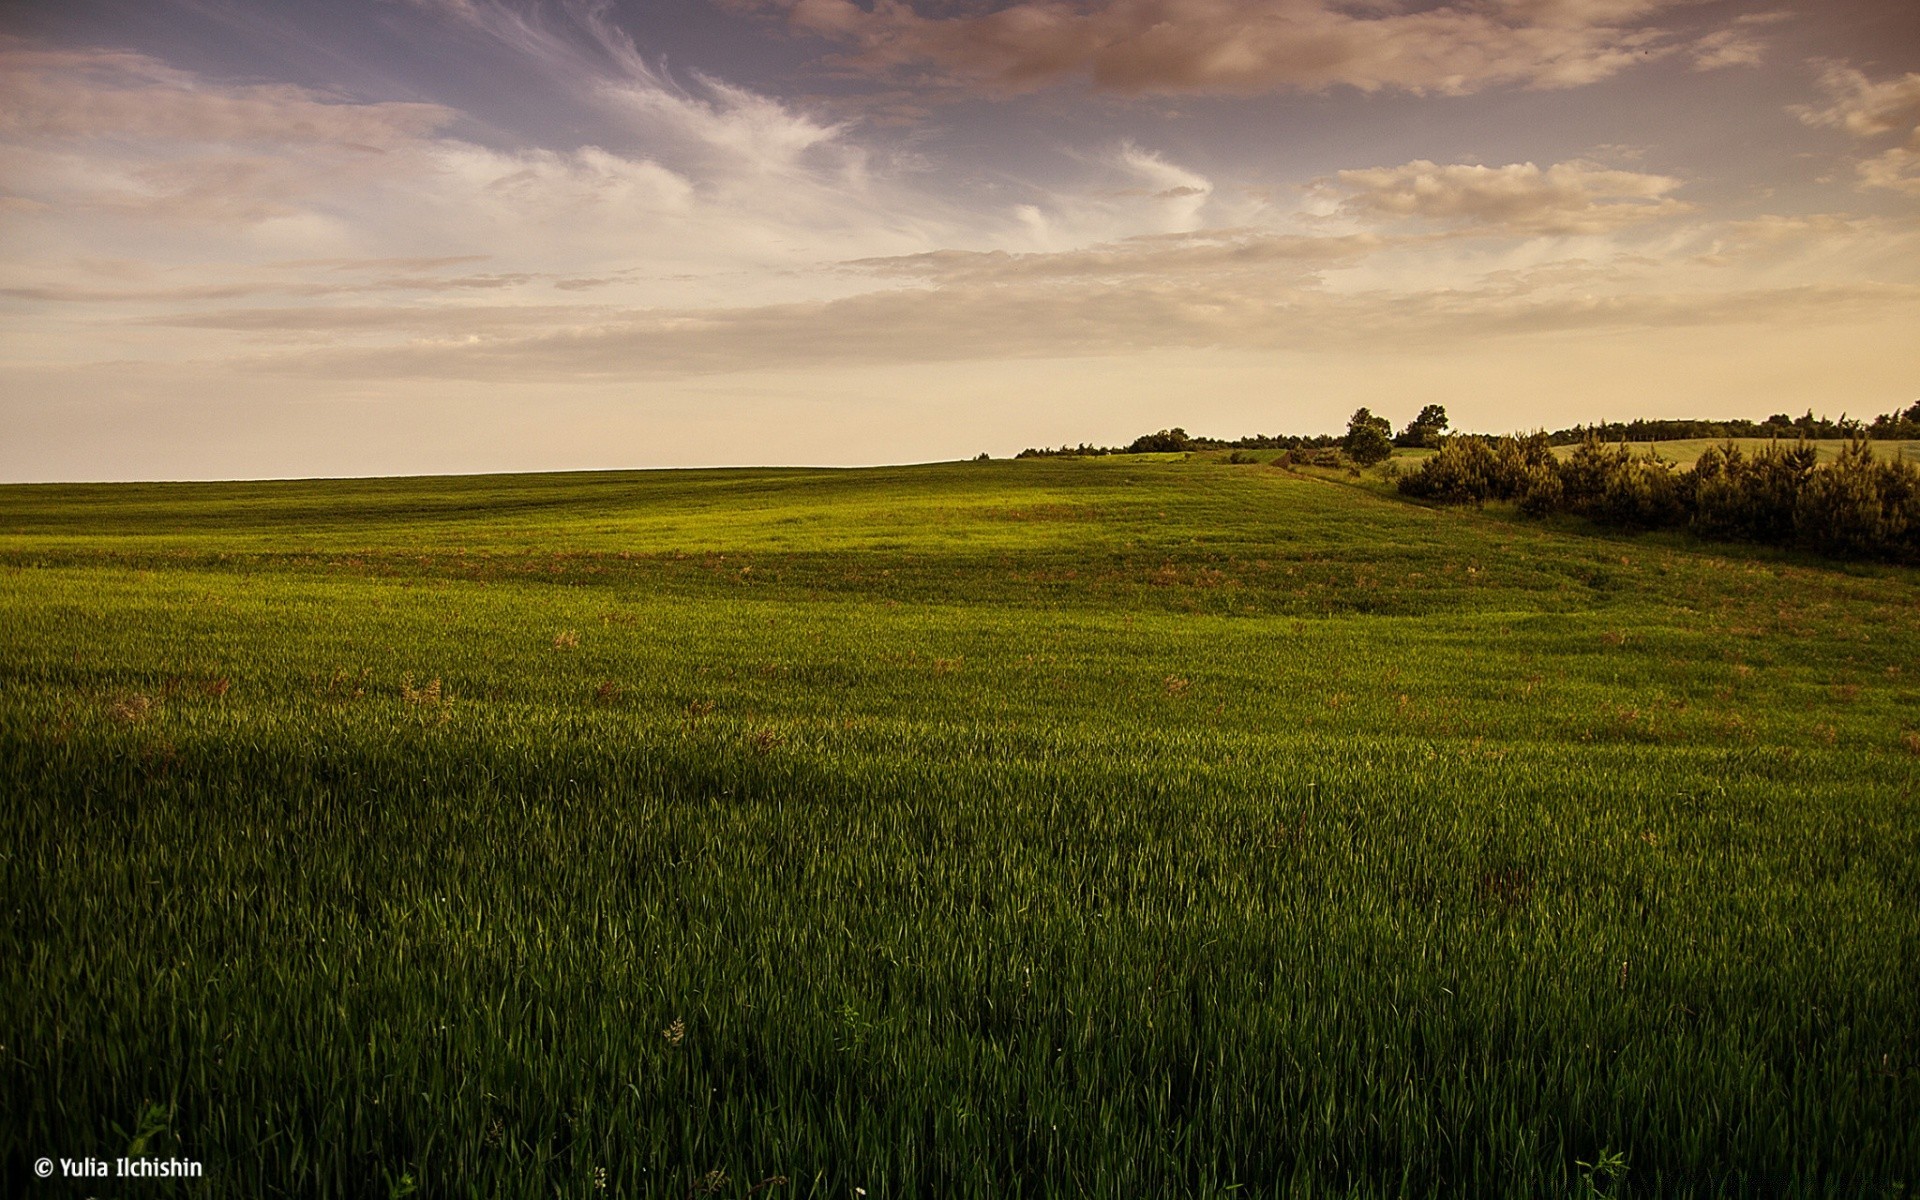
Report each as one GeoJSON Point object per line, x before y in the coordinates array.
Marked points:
{"type": "Point", "coordinates": [1102, 828]}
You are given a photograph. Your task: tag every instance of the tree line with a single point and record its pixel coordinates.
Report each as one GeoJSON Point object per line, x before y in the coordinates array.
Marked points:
{"type": "Point", "coordinates": [1892, 426]}
{"type": "Point", "coordinates": [1178, 440]}
{"type": "Point", "coordinates": [1429, 427]}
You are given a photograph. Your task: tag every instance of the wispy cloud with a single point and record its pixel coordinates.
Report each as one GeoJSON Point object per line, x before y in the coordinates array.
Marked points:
{"type": "Point", "coordinates": [1209, 252]}
{"type": "Point", "coordinates": [720, 127]}
{"type": "Point", "coordinates": [130, 98]}
{"type": "Point", "coordinates": [953, 324]}
{"type": "Point", "coordinates": [1213, 290]}
{"type": "Point", "coordinates": [1138, 47]}
{"type": "Point", "coordinates": [120, 133]}
{"type": "Point", "coordinates": [1867, 109]}
{"type": "Point", "coordinates": [1737, 45]}
{"type": "Point", "coordinates": [1521, 198]}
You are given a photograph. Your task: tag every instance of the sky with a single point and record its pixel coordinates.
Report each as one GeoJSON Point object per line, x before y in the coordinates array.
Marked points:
{"type": "Point", "coordinates": [265, 238]}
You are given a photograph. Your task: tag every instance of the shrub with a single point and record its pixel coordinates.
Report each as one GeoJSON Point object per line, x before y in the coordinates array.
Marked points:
{"type": "Point", "coordinates": [1612, 485]}
{"type": "Point", "coordinates": [1463, 472]}
{"type": "Point", "coordinates": [1646, 493]}
{"type": "Point", "coordinates": [1860, 507]}
{"type": "Point", "coordinates": [1308, 457]}
{"type": "Point", "coordinates": [1585, 473]}
{"type": "Point", "coordinates": [1857, 506]}
{"type": "Point", "coordinates": [1749, 499]}
{"type": "Point", "coordinates": [1541, 492]}
{"type": "Point", "coordinates": [1473, 470]}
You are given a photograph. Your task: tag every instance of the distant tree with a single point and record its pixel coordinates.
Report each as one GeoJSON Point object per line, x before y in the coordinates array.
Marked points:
{"type": "Point", "coordinates": [1425, 430]}
{"type": "Point", "coordinates": [1167, 441]}
{"type": "Point", "coordinates": [1369, 438]}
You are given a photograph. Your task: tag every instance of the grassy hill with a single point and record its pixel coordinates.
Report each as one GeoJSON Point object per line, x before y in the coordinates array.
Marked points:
{"type": "Point", "coordinates": [1117, 827]}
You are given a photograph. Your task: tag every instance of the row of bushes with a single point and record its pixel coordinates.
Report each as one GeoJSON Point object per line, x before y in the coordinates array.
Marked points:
{"type": "Point", "coordinates": [1857, 506]}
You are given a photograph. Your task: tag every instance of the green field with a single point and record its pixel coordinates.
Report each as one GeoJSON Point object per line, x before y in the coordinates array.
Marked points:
{"type": "Point", "coordinates": [1684, 453]}
{"type": "Point", "coordinates": [1110, 828]}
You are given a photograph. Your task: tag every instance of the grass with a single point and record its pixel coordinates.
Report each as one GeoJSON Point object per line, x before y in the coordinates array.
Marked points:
{"type": "Point", "coordinates": [1683, 453]}
{"type": "Point", "coordinates": [1109, 828]}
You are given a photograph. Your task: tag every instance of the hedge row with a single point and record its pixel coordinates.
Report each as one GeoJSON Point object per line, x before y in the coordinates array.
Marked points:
{"type": "Point", "coordinates": [1856, 506]}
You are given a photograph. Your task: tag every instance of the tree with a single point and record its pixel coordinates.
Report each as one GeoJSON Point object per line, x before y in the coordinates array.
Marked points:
{"type": "Point", "coordinates": [1425, 430]}
{"type": "Point", "coordinates": [1167, 441]}
{"type": "Point", "coordinates": [1368, 438]}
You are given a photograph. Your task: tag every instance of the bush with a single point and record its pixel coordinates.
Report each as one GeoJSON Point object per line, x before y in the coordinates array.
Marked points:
{"type": "Point", "coordinates": [1749, 499]}
{"type": "Point", "coordinates": [1541, 492]}
{"type": "Point", "coordinates": [1612, 485]}
{"type": "Point", "coordinates": [1473, 470]}
{"type": "Point", "coordinates": [1857, 506]}
{"type": "Point", "coordinates": [1308, 457]}
{"type": "Point", "coordinates": [1860, 507]}
{"type": "Point", "coordinates": [1463, 472]}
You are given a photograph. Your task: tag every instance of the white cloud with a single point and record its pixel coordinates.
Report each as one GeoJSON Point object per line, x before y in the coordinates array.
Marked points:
{"type": "Point", "coordinates": [1727, 48]}
{"type": "Point", "coordinates": [1735, 45]}
{"type": "Point", "coordinates": [233, 191]}
{"type": "Point", "coordinates": [722, 129]}
{"type": "Point", "coordinates": [1520, 198]}
{"type": "Point", "coordinates": [1866, 108]}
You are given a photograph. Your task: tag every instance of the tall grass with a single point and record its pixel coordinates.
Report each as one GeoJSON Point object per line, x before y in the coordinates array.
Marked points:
{"type": "Point", "coordinates": [1458, 858]}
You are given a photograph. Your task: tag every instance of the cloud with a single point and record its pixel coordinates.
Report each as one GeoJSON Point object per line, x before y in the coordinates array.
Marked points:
{"type": "Point", "coordinates": [1218, 290]}
{"type": "Point", "coordinates": [106, 152]}
{"type": "Point", "coordinates": [1186, 191]}
{"type": "Point", "coordinates": [119, 133]}
{"type": "Point", "coordinates": [942, 325]}
{"type": "Point", "coordinates": [1136, 47]}
{"type": "Point", "coordinates": [724, 157]}
{"type": "Point", "coordinates": [238, 290]}
{"type": "Point", "coordinates": [1735, 45]}
{"type": "Point", "coordinates": [1213, 253]}
{"type": "Point", "coordinates": [1520, 198]}
{"type": "Point", "coordinates": [330, 322]}
{"type": "Point", "coordinates": [1863, 107]}
{"type": "Point", "coordinates": [1727, 48]}
{"type": "Point", "coordinates": [1866, 108]}
{"type": "Point", "coordinates": [718, 126]}
{"type": "Point", "coordinates": [127, 97]}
